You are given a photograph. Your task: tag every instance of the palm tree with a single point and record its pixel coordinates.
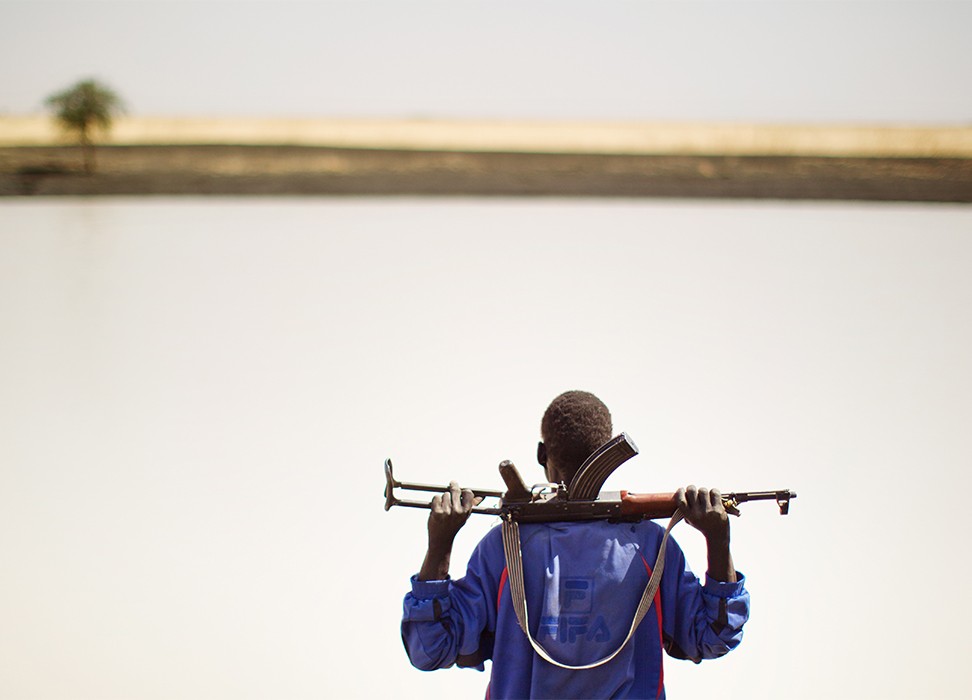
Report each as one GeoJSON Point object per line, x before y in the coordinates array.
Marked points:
{"type": "Point", "coordinates": [83, 108]}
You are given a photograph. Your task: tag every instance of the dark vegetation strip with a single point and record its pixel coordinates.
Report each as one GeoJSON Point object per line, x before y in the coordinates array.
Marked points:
{"type": "Point", "coordinates": [300, 170]}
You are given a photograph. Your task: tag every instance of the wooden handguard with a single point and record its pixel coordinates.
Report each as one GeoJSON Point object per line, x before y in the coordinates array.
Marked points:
{"type": "Point", "coordinates": [647, 505]}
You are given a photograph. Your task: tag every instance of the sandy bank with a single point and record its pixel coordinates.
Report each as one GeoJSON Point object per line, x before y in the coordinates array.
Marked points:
{"type": "Point", "coordinates": [607, 138]}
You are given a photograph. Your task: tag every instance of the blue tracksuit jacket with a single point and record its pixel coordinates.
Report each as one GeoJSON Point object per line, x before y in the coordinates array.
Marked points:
{"type": "Point", "coordinates": [583, 582]}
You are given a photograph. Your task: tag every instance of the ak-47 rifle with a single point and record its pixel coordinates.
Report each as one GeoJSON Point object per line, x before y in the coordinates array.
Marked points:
{"type": "Point", "coordinates": [583, 499]}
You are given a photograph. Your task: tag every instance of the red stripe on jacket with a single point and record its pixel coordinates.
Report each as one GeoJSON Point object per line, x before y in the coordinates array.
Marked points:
{"type": "Point", "coordinates": [661, 641]}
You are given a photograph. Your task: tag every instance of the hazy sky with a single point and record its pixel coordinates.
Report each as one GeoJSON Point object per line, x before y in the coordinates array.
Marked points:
{"type": "Point", "coordinates": [779, 60]}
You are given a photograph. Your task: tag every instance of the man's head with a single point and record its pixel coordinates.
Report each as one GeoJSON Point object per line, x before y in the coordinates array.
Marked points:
{"type": "Point", "coordinates": [574, 425]}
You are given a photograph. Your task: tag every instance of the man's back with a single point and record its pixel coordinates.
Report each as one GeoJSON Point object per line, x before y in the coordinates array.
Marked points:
{"type": "Point", "coordinates": [583, 581]}
{"type": "Point", "coordinates": [583, 584]}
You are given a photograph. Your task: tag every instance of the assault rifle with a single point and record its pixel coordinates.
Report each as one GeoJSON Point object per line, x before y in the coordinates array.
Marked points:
{"type": "Point", "coordinates": [583, 499]}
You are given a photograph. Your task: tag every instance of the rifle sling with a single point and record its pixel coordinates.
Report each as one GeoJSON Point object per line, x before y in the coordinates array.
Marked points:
{"type": "Point", "coordinates": [514, 566]}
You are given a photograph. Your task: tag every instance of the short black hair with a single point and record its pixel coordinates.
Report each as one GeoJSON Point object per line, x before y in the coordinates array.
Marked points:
{"type": "Point", "coordinates": [574, 425]}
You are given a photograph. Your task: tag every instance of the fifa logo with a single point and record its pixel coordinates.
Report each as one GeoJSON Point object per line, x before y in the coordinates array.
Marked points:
{"type": "Point", "coordinates": [574, 621]}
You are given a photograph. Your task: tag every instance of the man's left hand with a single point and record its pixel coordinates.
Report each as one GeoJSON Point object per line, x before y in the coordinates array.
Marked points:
{"type": "Point", "coordinates": [704, 511]}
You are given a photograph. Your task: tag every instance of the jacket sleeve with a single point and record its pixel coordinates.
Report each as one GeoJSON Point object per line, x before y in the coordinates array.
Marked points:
{"type": "Point", "coordinates": [445, 622]}
{"type": "Point", "coordinates": [700, 621]}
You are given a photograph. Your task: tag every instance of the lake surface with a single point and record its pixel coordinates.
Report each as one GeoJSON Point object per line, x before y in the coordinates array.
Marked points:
{"type": "Point", "coordinates": [196, 396]}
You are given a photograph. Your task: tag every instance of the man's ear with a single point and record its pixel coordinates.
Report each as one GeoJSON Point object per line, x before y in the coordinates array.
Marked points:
{"type": "Point", "coordinates": [542, 454]}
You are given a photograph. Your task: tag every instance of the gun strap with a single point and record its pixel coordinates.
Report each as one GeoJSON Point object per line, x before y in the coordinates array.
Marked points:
{"type": "Point", "coordinates": [514, 566]}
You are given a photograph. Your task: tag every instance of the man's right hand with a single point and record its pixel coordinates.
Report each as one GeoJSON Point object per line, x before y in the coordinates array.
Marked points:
{"type": "Point", "coordinates": [449, 512]}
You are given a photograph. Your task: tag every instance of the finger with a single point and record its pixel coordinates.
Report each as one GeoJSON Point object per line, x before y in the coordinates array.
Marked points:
{"type": "Point", "coordinates": [715, 497]}
{"type": "Point", "coordinates": [680, 500]}
{"type": "Point", "coordinates": [691, 495]}
{"type": "Point", "coordinates": [436, 505]}
{"type": "Point", "coordinates": [702, 498]}
{"type": "Point", "coordinates": [468, 499]}
{"type": "Point", "coordinates": [446, 498]}
{"type": "Point", "coordinates": [478, 500]}
{"type": "Point", "coordinates": [455, 496]}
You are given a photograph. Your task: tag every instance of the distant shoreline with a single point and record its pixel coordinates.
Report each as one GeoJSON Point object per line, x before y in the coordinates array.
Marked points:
{"type": "Point", "coordinates": [147, 156]}
{"type": "Point", "coordinates": [235, 170]}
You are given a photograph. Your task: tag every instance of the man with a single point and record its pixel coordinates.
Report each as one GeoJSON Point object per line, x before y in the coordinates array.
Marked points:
{"type": "Point", "coordinates": [583, 581]}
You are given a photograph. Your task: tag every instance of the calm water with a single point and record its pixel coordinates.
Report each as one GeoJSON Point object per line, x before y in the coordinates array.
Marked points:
{"type": "Point", "coordinates": [196, 397]}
